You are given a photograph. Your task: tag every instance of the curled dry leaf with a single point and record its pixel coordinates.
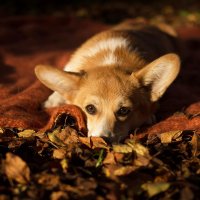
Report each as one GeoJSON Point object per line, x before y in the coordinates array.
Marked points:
{"type": "Point", "coordinates": [63, 137]}
{"type": "Point", "coordinates": [131, 146]}
{"type": "Point", "coordinates": [190, 136]}
{"type": "Point", "coordinates": [123, 153]}
{"type": "Point", "coordinates": [195, 142]}
{"type": "Point", "coordinates": [109, 159]}
{"type": "Point", "coordinates": [16, 169]}
{"type": "Point", "coordinates": [94, 142]}
{"type": "Point", "coordinates": [170, 136]}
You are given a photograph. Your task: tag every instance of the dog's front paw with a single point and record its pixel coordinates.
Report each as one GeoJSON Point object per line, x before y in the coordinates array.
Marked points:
{"type": "Point", "coordinates": [54, 100]}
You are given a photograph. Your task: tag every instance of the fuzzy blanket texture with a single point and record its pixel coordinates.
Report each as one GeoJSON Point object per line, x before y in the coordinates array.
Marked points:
{"type": "Point", "coordinates": [26, 42]}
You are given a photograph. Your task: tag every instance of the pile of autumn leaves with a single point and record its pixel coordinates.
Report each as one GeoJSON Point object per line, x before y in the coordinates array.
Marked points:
{"type": "Point", "coordinates": [61, 164]}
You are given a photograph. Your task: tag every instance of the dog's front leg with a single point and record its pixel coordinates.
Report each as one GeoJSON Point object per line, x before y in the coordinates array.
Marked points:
{"type": "Point", "coordinates": [54, 100]}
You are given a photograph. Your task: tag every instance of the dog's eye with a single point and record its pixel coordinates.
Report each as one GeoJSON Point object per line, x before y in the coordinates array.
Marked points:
{"type": "Point", "coordinates": [123, 111]}
{"type": "Point", "coordinates": [91, 109]}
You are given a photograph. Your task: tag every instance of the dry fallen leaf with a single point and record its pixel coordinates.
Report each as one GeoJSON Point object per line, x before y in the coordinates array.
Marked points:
{"type": "Point", "coordinates": [186, 194]}
{"type": "Point", "coordinates": [4, 197]}
{"type": "Point", "coordinates": [64, 164]}
{"type": "Point", "coordinates": [49, 181]}
{"type": "Point", "coordinates": [122, 148]}
{"type": "Point", "coordinates": [168, 137]}
{"type": "Point", "coordinates": [63, 137]}
{"type": "Point", "coordinates": [138, 148]}
{"type": "Point", "coordinates": [58, 195]}
{"type": "Point", "coordinates": [114, 170]}
{"type": "Point", "coordinates": [16, 169]}
{"type": "Point", "coordinates": [109, 159]}
{"type": "Point", "coordinates": [26, 133]}
{"type": "Point", "coordinates": [59, 153]}
{"type": "Point", "coordinates": [131, 146]}
{"type": "Point", "coordinates": [195, 142]}
{"type": "Point", "coordinates": [155, 188]}
{"type": "Point", "coordinates": [141, 161]}
{"type": "Point", "coordinates": [124, 170]}
{"type": "Point", "coordinates": [94, 142]}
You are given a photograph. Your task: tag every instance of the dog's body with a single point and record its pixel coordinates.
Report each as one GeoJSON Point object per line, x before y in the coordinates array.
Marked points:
{"type": "Point", "coordinates": [116, 77]}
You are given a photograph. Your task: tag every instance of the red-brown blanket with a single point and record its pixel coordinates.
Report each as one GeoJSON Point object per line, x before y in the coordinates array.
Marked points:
{"type": "Point", "coordinates": [26, 42]}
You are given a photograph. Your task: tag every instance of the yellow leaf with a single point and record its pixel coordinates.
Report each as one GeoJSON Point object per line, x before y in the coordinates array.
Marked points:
{"type": "Point", "coordinates": [16, 169]}
{"type": "Point", "coordinates": [26, 133]}
{"type": "Point", "coordinates": [168, 137]}
{"type": "Point", "coordinates": [124, 170]}
{"type": "Point", "coordinates": [59, 153]}
{"type": "Point", "coordinates": [138, 148]}
{"type": "Point", "coordinates": [122, 148]}
{"type": "Point", "coordinates": [155, 188]}
{"type": "Point", "coordinates": [64, 164]}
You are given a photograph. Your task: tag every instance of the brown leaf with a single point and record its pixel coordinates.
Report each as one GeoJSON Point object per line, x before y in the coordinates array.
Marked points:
{"type": "Point", "coordinates": [64, 164]}
{"type": "Point", "coordinates": [109, 159]}
{"type": "Point", "coordinates": [4, 197]}
{"type": "Point", "coordinates": [112, 171]}
{"type": "Point", "coordinates": [49, 181]}
{"type": "Point", "coordinates": [122, 148]}
{"type": "Point", "coordinates": [155, 188]}
{"type": "Point", "coordinates": [59, 153]}
{"type": "Point", "coordinates": [138, 148]}
{"type": "Point", "coordinates": [59, 195]}
{"type": "Point", "coordinates": [141, 161]}
{"type": "Point", "coordinates": [131, 146]}
{"type": "Point", "coordinates": [15, 143]}
{"type": "Point", "coordinates": [125, 170]}
{"type": "Point", "coordinates": [68, 135]}
{"type": "Point", "coordinates": [16, 169]}
{"type": "Point", "coordinates": [63, 137]}
{"type": "Point", "coordinates": [195, 142]}
{"type": "Point", "coordinates": [83, 188]}
{"type": "Point", "coordinates": [186, 194]}
{"type": "Point", "coordinates": [119, 157]}
{"type": "Point", "coordinates": [94, 142]}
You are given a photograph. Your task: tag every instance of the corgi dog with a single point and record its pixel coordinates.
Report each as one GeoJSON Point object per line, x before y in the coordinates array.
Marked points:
{"type": "Point", "coordinates": [116, 77]}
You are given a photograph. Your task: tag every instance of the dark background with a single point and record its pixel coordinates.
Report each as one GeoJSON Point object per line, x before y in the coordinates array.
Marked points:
{"type": "Point", "coordinates": [110, 11]}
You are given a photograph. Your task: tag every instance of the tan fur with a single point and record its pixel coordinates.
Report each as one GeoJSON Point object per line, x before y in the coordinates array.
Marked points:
{"type": "Point", "coordinates": [127, 66]}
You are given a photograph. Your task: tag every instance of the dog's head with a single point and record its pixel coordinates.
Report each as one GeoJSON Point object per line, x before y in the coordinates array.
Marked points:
{"type": "Point", "coordinates": [114, 101]}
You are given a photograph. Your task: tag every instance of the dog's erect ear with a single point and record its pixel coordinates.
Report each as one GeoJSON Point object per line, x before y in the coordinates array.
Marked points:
{"type": "Point", "coordinates": [159, 74]}
{"type": "Point", "coordinates": [58, 80]}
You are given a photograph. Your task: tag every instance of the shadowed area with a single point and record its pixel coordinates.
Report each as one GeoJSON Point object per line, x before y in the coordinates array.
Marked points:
{"type": "Point", "coordinates": [6, 72]}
